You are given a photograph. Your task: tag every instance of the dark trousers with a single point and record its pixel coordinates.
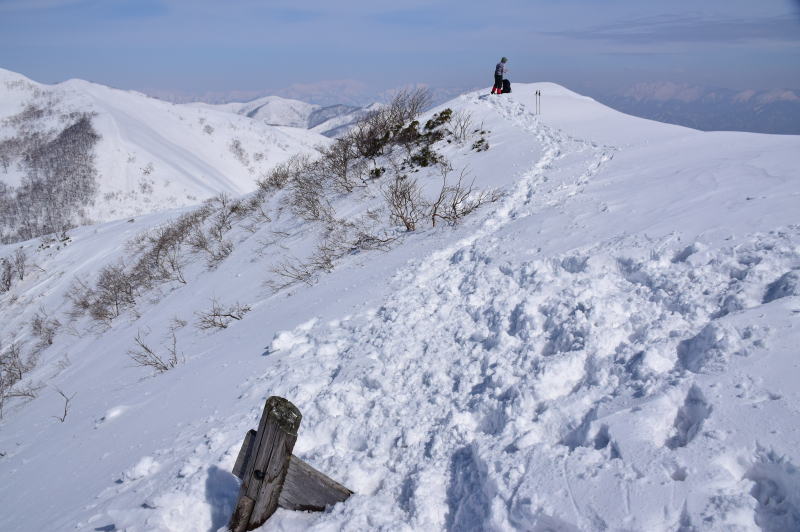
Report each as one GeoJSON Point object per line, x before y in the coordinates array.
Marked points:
{"type": "Point", "coordinates": [498, 83]}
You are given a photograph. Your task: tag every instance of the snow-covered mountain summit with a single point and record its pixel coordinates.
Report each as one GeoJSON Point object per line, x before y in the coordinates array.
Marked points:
{"type": "Point", "coordinates": [610, 345]}
{"type": "Point", "coordinates": [142, 155]}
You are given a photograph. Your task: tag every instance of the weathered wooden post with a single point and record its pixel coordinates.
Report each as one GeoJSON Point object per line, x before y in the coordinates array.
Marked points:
{"type": "Point", "coordinates": [272, 476]}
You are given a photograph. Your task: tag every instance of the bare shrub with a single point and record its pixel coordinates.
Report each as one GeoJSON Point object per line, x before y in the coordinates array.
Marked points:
{"type": "Point", "coordinates": [404, 198]}
{"type": "Point", "coordinates": [163, 259]}
{"type": "Point", "coordinates": [306, 197]}
{"type": "Point", "coordinates": [219, 252]}
{"type": "Point", "coordinates": [12, 362]}
{"type": "Point", "coordinates": [177, 323]}
{"type": "Point", "coordinates": [376, 131]}
{"type": "Point", "coordinates": [80, 295]}
{"type": "Point", "coordinates": [13, 367]}
{"type": "Point", "coordinates": [454, 202]}
{"type": "Point", "coordinates": [461, 126]}
{"type": "Point", "coordinates": [215, 251]}
{"type": "Point", "coordinates": [173, 262]}
{"type": "Point", "coordinates": [6, 275]}
{"type": "Point", "coordinates": [338, 162]}
{"type": "Point", "coordinates": [222, 221]}
{"type": "Point", "coordinates": [220, 317]}
{"type": "Point", "coordinates": [282, 173]}
{"type": "Point", "coordinates": [162, 253]}
{"type": "Point", "coordinates": [144, 356]}
{"type": "Point", "coordinates": [371, 134]}
{"type": "Point", "coordinates": [256, 213]}
{"type": "Point", "coordinates": [114, 292]}
{"type": "Point", "coordinates": [44, 328]}
{"type": "Point", "coordinates": [20, 391]}
{"type": "Point", "coordinates": [20, 263]}
{"type": "Point", "coordinates": [408, 104]}
{"type": "Point", "coordinates": [340, 238]}
{"type": "Point", "coordinates": [238, 151]}
{"type": "Point", "coordinates": [292, 271]}
{"type": "Point", "coordinates": [198, 240]}
{"type": "Point", "coordinates": [115, 288]}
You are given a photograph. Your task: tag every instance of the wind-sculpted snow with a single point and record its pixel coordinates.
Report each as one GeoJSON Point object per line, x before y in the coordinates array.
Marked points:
{"type": "Point", "coordinates": [611, 346]}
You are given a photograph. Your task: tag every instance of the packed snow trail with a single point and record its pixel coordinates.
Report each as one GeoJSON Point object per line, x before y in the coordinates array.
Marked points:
{"type": "Point", "coordinates": [478, 371]}
{"type": "Point", "coordinates": [558, 146]}
{"type": "Point", "coordinates": [398, 365]}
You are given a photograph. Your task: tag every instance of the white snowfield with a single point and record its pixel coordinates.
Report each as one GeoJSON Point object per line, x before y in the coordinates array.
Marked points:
{"type": "Point", "coordinates": [155, 155]}
{"type": "Point", "coordinates": [270, 109]}
{"type": "Point", "coordinates": [611, 346]}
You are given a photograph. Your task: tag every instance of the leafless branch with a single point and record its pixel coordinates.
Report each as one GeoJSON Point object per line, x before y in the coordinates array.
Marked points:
{"type": "Point", "coordinates": [67, 400]}
{"type": "Point", "coordinates": [143, 355]}
{"type": "Point", "coordinates": [220, 317]}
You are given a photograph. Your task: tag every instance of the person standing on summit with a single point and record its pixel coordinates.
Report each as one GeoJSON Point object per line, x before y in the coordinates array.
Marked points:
{"type": "Point", "coordinates": [499, 72]}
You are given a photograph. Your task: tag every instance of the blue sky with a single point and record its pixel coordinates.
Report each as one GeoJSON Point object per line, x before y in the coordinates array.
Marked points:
{"type": "Point", "coordinates": [204, 46]}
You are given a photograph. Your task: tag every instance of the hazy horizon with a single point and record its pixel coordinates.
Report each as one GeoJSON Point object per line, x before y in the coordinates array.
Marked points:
{"type": "Point", "coordinates": [356, 47]}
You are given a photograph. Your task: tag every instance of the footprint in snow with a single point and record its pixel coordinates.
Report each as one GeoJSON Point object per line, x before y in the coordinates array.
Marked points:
{"type": "Point", "coordinates": [690, 419]}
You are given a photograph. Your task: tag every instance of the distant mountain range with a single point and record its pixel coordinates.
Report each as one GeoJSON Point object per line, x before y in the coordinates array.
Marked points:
{"type": "Point", "coordinates": [704, 108]}
{"type": "Point", "coordinates": [328, 120]}
{"type": "Point", "coordinates": [711, 109]}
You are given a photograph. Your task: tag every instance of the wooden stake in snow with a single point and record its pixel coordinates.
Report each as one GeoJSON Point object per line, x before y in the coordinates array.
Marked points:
{"type": "Point", "coordinates": [272, 477]}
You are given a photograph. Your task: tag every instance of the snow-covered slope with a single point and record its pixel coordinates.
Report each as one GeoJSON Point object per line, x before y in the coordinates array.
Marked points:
{"type": "Point", "coordinates": [328, 120]}
{"type": "Point", "coordinates": [151, 155]}
{"type": "Point", "coordinates": [612, 346]}
{"type": "Point", "coordinates": [273, 110]}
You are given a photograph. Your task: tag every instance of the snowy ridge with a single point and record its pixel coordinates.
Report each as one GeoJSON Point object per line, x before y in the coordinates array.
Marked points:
{"type": "Point", "coordinates": [153, 155]}
{"type": "Point", "coordinates": [610, 346]}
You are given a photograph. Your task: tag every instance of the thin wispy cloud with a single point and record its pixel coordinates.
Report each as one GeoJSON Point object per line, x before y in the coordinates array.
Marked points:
{"type": "Point", "coordinates": [33, 5]}
{"type": "Point", "coordinates": [689, 29]}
